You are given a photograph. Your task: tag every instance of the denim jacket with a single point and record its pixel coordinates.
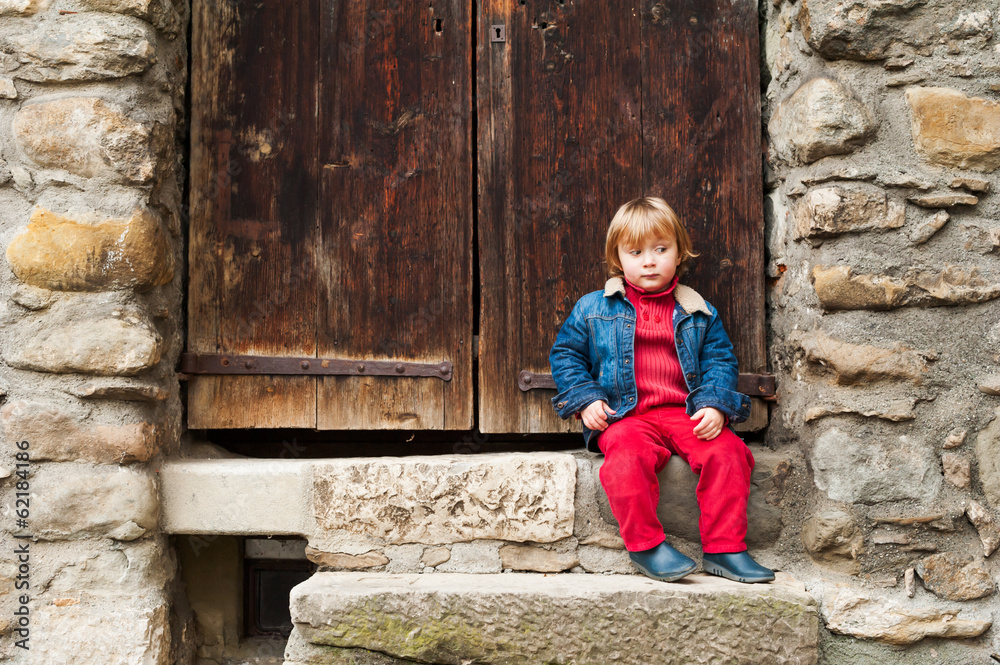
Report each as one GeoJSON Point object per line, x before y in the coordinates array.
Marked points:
{"type": "Point", "coordinates": [593, 357]}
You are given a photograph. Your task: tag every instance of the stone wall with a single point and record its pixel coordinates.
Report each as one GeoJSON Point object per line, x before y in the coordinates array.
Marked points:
{"type": "Point", "coordinates": [883, 141]}
{"type": "Point", "coordinates": [91, 218]}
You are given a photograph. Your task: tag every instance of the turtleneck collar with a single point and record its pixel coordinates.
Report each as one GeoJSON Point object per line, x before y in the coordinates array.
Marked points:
{"type": "Point", "coordinates": [649, 294]}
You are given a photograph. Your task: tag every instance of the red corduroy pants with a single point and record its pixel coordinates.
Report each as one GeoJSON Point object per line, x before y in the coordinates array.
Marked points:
{"type": "Point", "coordinates": [637, 447]}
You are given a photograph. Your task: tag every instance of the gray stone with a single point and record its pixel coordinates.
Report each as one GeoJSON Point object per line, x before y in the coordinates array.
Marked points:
{"type": "Point", "coordinates": [121, 345]}
{"type": "Point", "coordinates": [859, 614]}
{"type": "Point", "coordinates": [443, 499]}
{"type": "Point", "coordinates": [869, 406]}
{"type": "Point", "coordinates": [857, 30]}
{"type": "Point", "coordinates": [910, 582]}
{"type": "Point", "coordinates": [988, 460]}
{"type": "Point", "coordinates": [848, 207]}
{"type": "Point", "coordinates": [32, 298]}
{"type": "Point", "coordinates": [907, 180]}
{"type": "Point", "coordinates": [839, 288]}
{"type": "Point", "coordinates": [906, 78]}
{"type": "Point", "coordinates": [595, 559]}
{"type": "Point", "coordinates": [820, 118]}
{"type": "Point", "coordinates": [123, 631]}
{"type": "Point", "coordinates": [955, 577]}
{"type": "Point", "coordinates": [986, 526]}
{"type": "Point", "coordinates": [536, 559]}
{"type": "Point", "coordinates": [89, 137]}
{"type": "Point", "coordinates": [403, 558]}
{"type": "Point", "coordinates": [957, 470]}
{"type": "Point", "coordinates": [978, 185]}
{"type": "Point", "coordinates": [300, 652]}
{"type": "Point", "coordinates": [874, 471]}
{"type": "Point", "coordinates": [89, 46]}
{"type": "Point", "coordinates": [926, 230]}
{"type": "Point", "coordinates": [861, 364]}
{"type": "Point", "coordinates": [86, 570]}
{"type": "Point", "coordinates": [481, 557]}
{"type": "Point", "coordinates": [832, 539]}
{"type": "Point", "coordinates": [435, 556]}
{"type": "Point", "coordinates": [160, 13]}
{"type": "Point", "coordinates": [81, 500]}
{"type": "Point", "coordinates": [557, 618]}
{"type": "Point", "coordinates": [7, 88]}
{"type": "Point", "coordinates": [589, 526]}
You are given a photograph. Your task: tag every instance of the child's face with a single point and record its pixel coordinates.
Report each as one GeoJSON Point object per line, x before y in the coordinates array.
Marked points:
{"type": "Point", "coordinates": [650, 264]}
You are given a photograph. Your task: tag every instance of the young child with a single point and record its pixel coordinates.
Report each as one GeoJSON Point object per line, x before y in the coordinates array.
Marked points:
{"type": "Point", "coordinates": [648, 367]}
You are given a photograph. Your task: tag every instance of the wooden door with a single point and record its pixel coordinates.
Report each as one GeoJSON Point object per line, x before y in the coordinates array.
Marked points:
{"type": "Point", "coordinates": [583, 107]}
{"type": "Point", "coordinates": [344, 234]}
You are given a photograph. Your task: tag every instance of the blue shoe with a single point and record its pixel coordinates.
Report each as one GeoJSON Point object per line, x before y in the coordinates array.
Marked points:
{"type": "Point", "coordinates": [663, 563]}
{"type": "Point", "coordinates": [736, 566]}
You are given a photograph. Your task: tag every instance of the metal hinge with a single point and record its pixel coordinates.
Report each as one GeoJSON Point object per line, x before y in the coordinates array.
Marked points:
{"type": "Point", "coordinates": [218, 363]}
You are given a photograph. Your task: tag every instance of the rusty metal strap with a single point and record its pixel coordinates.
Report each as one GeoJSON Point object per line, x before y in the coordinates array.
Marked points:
{"type": "Point", "coordinates": [216, 363]}
{"type": "Point", "coordinates": [754, 385]}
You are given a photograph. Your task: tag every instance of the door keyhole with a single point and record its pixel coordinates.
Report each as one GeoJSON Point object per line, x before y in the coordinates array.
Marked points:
{"type": "Point", "coordinates": [498, 33]}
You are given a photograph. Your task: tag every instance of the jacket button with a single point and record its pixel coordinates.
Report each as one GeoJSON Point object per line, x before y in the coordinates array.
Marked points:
{"type": "Point", "coordinates": [561, 405]}
{"type": "Point", "coordinates": [631, 399]}
{"type": "Point", "coordinates": [626, 361]}
{"type": "Point", "coordinates": [690, 376]}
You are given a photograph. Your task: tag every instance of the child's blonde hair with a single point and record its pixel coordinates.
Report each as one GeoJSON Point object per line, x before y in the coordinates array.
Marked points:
{"type": "Point", "coordinates": [641, 219]}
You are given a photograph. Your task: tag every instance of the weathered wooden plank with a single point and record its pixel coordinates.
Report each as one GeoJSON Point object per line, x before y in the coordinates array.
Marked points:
{"type": "Point", "coordinates": [702, 152]}
{"type": "Point", "coordinates": [253, 201]}
{"type": "Point", "coordinates": [395, 242]}
{"type": "Point", "coordinates": [559, 151]}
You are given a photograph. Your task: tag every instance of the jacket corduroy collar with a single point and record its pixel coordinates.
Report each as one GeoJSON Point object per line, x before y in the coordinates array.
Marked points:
{"type": "Point", "coordinates": [689, 299]}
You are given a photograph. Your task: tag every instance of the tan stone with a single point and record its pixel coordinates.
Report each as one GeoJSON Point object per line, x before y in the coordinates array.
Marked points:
{"type": "Point", "coordinates": [986, 526]}
{"type": "Point", "coordinates": [88, 137]}
{"type": "Point", "coordinates": [928, 228]}
{"type": "Point", "coordinates": [342, 561]}
{"type": "Point", "coordinates": [435, 556]}
{"type": "Point", "coordinates": [943, 200]}
{"type": "Point", "coordinates": [910, 582]}
{"type": "Point", "coordinates": [444, 499]}
{"type": "Point", "coordinates": [989, 384]}
{"type": "Point", "coordinates": [7, 88]}
{"type": "Point", "coordinates": [59, 252]}
{"type": "Point", "coordinates": [87, 501]}
{"type": "Point", "coordinates": [988, 460]}
{"type": "Point", "coordinates": [897, 410]}
{"type": "Point", "coordinates": [832, 539]}
{"type": "Point", "coordinates": [956, 437]}
{"type": "Point", "coordinates": [838, 288]}
{"type": "Point", "coordinates": [972, 184]}
{"type": "Point", "coordinates": [952, 129]}
{"type": "Point", "coordinates": [86, 46]}
{"type": "Point", "coordinates": [537, 559]}
{"type": "Point", "coordinates": [122, 630]}
{"type": "Point", "coordinates": [957, 470]}
{"type": "Point", "coordinates": [108, 346]}
{"type": "Point", "coordinates": [859, 31]}
{"type": "Point", "coordinates": [58, 436]}
{"type": "Point", "coordinates": [821, 118]}
{"type": "Point", "coordinates": [955, 577]}
{"type": "Point", "coordinates": [120, 389]}
{"type": "Point", "coordinates": [830, 211]}
{"type": "Point", "coordinates": [858, 614]}
{"type": "Point", "coordinates": [853, 364]}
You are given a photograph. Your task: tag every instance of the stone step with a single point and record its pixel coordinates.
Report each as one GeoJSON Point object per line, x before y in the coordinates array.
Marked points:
{"type": "Point", "coordinates": [512, 618]}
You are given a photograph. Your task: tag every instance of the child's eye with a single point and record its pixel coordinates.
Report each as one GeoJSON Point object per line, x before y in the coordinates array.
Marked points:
{"type": "Point", "coordinates": [634, 252]}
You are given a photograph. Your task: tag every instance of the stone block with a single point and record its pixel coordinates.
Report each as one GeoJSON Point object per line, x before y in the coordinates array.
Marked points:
{"type": "Point", "coordinates": [237, 497]}
{"type": "Point", "coordinates": [986, 526]}
{"type": "Point", "coordinates": [874, 471]}
{"type": "Point", "coordinates": [988, 460]}
{"type": "Point", "coordinates": [57, 435]}
{"type": "Point", "coordinates": [80, 500]}
{"type": "Point", "coordinates": [590, 527]}
{"type": "Point", "coordinates": [860, 364]}
{"type": "Point", "coordinates": [435, 556]}
{"type": "Point", "coordinates": [859, 31]}
{"type": "Point", "coordinates": [341, 561]}
{"type": "Point", "coordinates": [89, 46]}
{"type": "Point", "coordinates": [89, 253]}
{"type": "Point", "coordinates": [87, 136]}
{"type": "Point", "coordinates": [949, 128]}
{"type": "Point", "coordinates": [161, 13]}
{"type": "Point", "coordinates": [845, 208]}
{"type": "Point", "coordinates": [957, 470]}
{"type": "Point", "coordinates": [90, 571]}
{"type": "Point", "coordinates": [859, 614]}
{"type": "Point", "coordinates": [948, 200]}
{"type": "Point", "coordinates": [18, 7]}
{"type": "Point", "coordinates": [832, 539]}
{"type": "Point", "coordinates": [124, 631]}
{"type": "Point", "coordinates": [821, 118]}
{"type": "Point", "coordinates": [595, 559]}
{"type": "Point", "coordinates": [839, 288]}
{"type": "Point", "coordinates": [435, 500]}
{"type": "Point", "coordinates": [868, 406]}
{"type": "Point", "coordinates": [69, 338]}
{"type": "Point", "coordinates": [536, 559]}
{"type": "Point", "coordinates": [955, 577]}
{"type": "Point", "coordinates": [533, 618]}
{"type": "Point", "coordinates": [481, 557]}
{"type": "Point", "coordinates": [926, 230]}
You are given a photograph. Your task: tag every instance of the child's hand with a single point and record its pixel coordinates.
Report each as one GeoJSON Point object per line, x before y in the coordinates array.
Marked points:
{"type": "Point", "coordinates": [594, 416]}
{"type": "Point", "coordinates": [711, 423]}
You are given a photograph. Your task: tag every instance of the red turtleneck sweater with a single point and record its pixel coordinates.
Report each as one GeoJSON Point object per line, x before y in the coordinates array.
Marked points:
{"type": "Point", "coordinates": [658, 376]}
